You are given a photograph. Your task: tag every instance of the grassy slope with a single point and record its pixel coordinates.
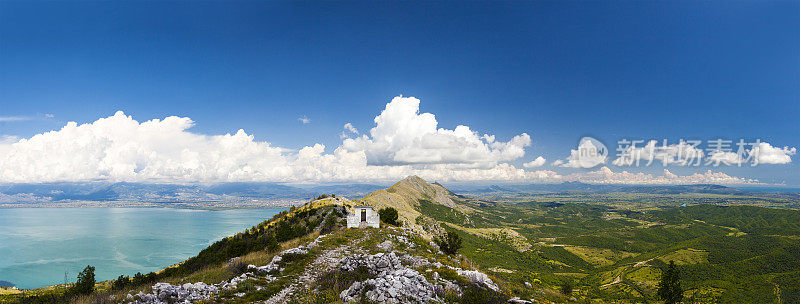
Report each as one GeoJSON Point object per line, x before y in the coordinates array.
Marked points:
{"type": "Point", "coordinates": [609, 252]}
{"type": "Point", "coordinates": [210, 265]}
{"type": "Point", "coordinates": [733, 254]}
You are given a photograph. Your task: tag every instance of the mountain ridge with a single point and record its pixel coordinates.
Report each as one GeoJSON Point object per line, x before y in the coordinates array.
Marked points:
{"type": "Point", "coordinates": [511, 250]}
{"type": "Point", "coordinates": [405, 196]}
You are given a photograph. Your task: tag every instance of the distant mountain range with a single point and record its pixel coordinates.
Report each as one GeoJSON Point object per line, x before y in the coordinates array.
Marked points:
{"type": "Point", "coordinates": [276, 192]}
{"type": "Point", "coordinates": [55, 192]}
{"type": "Point", "coordinates": [598, 188]}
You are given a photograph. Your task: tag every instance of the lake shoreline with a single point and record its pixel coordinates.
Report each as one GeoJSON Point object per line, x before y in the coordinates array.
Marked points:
{"type": "Point", "coordinates": [211, 206]}
{"type": "Point", "coordinates": [41, 244]}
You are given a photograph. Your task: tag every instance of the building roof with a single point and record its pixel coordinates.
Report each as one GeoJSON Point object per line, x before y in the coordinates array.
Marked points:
{"type": "Point", "coordinates": [364, 206]}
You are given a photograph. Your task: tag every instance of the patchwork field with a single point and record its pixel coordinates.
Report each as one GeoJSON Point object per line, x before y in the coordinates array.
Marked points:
{"type": "Point", "coordinates": [613, 249]}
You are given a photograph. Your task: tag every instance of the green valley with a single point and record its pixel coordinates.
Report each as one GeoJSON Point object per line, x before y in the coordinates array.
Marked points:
{"type": "Point", "coordinates": [613, 247]}
{"type": "Point", "coordinates": [548, 248]}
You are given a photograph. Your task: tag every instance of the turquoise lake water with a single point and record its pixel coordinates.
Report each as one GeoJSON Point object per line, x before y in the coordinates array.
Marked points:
{"type": "Point", "coordinates": [37, 245]}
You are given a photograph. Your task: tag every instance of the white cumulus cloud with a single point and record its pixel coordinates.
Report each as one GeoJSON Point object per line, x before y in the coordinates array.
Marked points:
{"type": "Point", "coordinates": [348, 129]}
{"type": "Point", "coordinates": [606, 176]}
{"type": "Point", "coordinates": [304, 120]}
{"type": "Point", "coordinates": [404, 136]}
{"type": "Point", "coordinates": [538, 162]}
{"type": "Point", "coordinates": [719, 157]}
{"type": "Point", "coordinates": [403, 142]}
{"type": "Point", "coordinates": [765, 153]}
{"type": "Point", "coordinates": [119, 148]}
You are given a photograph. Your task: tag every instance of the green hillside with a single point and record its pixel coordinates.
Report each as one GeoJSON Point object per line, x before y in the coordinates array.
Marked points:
{"type": "Point", "coordinates": [607, 253]}
{"type": "Point", "coordinates": [726, 254]}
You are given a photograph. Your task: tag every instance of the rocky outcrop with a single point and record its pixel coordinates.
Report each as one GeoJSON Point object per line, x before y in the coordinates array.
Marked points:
{"type": "Point", "coordinates": [163, 293]}
{"type": "Point", "coordinates": [517, 300]}
{"type": "Point", "coordinates": [323, 262]}
{"type": "Point", "coordinates": [167, 293]}
{"type": "Point", "coordinates": [479, 277]}
{"type": "Point", "coordinates": [393, 282]}
{"type": "Point", "coordinates": [406, 272]}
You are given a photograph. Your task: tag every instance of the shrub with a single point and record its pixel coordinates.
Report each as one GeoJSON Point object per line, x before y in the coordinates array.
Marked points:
{"type": "Point", "coordinates": [85, 283]}
{"type": "Point", "coordinates": [236, 266]}
{"type": "Point", "coordinates": [138, 278]}
{"type": "Point", "coordinates": [121, 282]}
{"type": "Point", "coordinates": [271, 244]}
{"type": "Point", "coordinates": [452, 275]}
{"type": "Point", "coordinates": [286, 231]}
{"type": "Point", "coordinates": [329, 224]}
{"type": "Point", "coordinates": [338, 280]}
{"type": "Point", "coordinates": [566, 288]}
{"type": "Point", "coordinates": [246, 286]}
{"type": "Point", "coordinates": [291, 257]}
{"type": "Point", "coordinates": [450, 243]}
{"type": "Point", "coordinates": [389, 215]}
{"type": "Point", "coordinates": [475, 293]}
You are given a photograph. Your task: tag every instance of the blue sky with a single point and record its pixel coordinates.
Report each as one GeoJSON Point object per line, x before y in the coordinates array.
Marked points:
{"type": "Point", "coordinates": [557, 71]}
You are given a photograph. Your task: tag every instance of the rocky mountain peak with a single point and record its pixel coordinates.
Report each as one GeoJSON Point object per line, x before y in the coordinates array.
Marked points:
{"type": "Point", "coordinates": [419, 188]}
{"type": "Point", "coordinates": [412, 182]}
{"type": "Point", "coordinates": [406, 196]}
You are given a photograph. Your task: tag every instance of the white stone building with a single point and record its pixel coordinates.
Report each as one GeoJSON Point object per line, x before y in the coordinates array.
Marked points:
{"type": "Point", "coordinates": [362, 217]}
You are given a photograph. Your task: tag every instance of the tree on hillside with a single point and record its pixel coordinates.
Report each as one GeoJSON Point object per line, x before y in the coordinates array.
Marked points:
{"type": "Point", "coordinates": [389, 215]}
{"type": "Point", "coordinates": [669, 289]}
{"type": "Point", "coordinates": [121, 282]}
{"type": "Point", "coordinates": [271, 243]}
{"type": "Point", "coordinates": [450, 243]}
{"type": "Point", "coordinates": [329, 224]}
{"type": "Point", "coordinates": [138, 278]}
{"type": "Point", "coordinates": [85, 283]}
